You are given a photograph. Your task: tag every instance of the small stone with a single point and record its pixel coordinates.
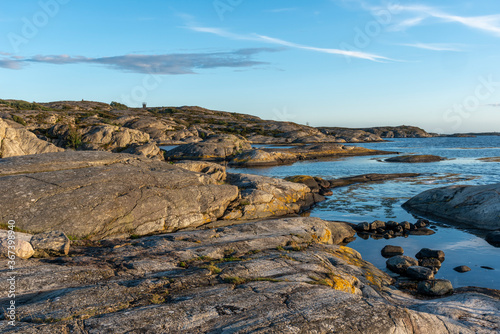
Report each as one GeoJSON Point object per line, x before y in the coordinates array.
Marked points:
{"type": "Point", "coordinates": [430, 253]}
{"type": "Point", "coordinates": [400, 263]}
{"type": "Point", "coordinates": [405, 225]}
{"type": "Point", "coordinates": [377, 224]}
{"type": "Point", "coordinates": [380, 230]}
{"type": "Point", "coordinates": [420, 273]}
{"type": "Point", "coordinates": [462, 269]}
{"type": "Point", "coordinates": [390, 251]}
{"type": "Point", "coordinates": [438, 287]}
{"type": "Point", "coordinates": [53, 243]}
{"type": "Point", "coordinates": [399, 229]}
{"type": "Point", "coordinates": [487, 268]}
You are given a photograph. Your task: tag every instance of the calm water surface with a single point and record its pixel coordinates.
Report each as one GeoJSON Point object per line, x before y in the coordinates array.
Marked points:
{"type": "Point", "coordinates": [383, 201]}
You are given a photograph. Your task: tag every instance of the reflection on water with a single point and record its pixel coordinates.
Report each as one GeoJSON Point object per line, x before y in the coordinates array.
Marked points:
{"type": "Point", "coordinates": [368, 202]}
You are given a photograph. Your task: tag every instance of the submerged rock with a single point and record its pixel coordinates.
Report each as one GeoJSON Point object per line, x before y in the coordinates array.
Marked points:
{"type": "Point", "coordinates": [471, 206]}
{"type": "Point", "coordinates": [419, 273]}
{"type": "Point", "coordinates": [462, 269]}
{"type": "Point", "coordinates": [415, 158]}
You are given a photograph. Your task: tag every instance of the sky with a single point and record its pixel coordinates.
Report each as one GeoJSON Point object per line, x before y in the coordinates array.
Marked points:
{"type": "Point", "coordinates": [348, 63]}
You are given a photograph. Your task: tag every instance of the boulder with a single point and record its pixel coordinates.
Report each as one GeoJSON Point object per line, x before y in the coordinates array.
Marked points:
{"type": "Point", "coordinates": [438, 287]}
{"type": "Point", "coordinates": [466, 206]}
{"type": "Point", "coordinates": [21, 243]}
{"type": "Point", "coordinates": [111, 138]}
{"type": "Point", "coordinates": [426, 253]}
{"type": "Point", "coordinates": [52, 243]}
{"type": "Point", "coordinates": [15, 140]}
{"type": "Point", "coordinates": [216, 171]}
{"type": "Point", "coordinates": [261, 158]}
{"type": "Point", "coordinates": [149, 150]}
{"type": "Point", "coordinates": [431, 263]}
{"type": "Point", "coordinates": [263, 196]}
{"type": "Point", "coordinates": [419, 273]}
{"type": "Point", "coordinates": [376, 224]}
{"type": "Point", "coordinates": [390, 251]}
{"type": "Point", "coordinates": [415, 158]}
{"type": "Point", "coordinates": [400, 263]}
{"type": "Point", "coordinates": [215, 147]}
{"type": "Point", "coordinates": [90, 194]}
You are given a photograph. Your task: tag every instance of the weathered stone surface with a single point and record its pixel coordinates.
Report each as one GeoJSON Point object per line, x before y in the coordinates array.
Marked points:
{"type": "Point", "coordinates": [400, 263]}
{"type": "Point", "coordinates": [110, 137]}
{"type": "Point", "coordinates": [50, 244]}
{"type": "Point", "coordinates": [20, 241]}
{"type": "Point", "coordinates": [261, 158]}
{"type": "Point", "coordinates": [471, 206]}
{"type": "Point", "coordinates": [235, 279]}
{"type": "Point", "coordinates": [101, 194]}
{"type": "Point", "coordinates": [263, 196]}
{"type": "Point", "coordinates": [390, 251]}
{"type": "Point", "coordinates": [377, 224]}
{"type": "Point", "coordinates": [149, 150]}
{"type": "Point", "coordinates": [426, 253]}
{"type": "Point", "coordinates": [415, 158]}
{"type": "Point", "coordinates": [419, 273]}
{"type": "Point", "coordinates": [215, 147]}
{"type": "Point", "coordinates": [216, 171]}
{"type": "Point", "coordinates": [438, 287]}
{"type": "Point", "coordinates": [15, 140]}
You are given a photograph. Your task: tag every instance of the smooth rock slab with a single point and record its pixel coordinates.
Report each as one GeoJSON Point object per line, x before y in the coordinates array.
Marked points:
{"type": "Point", "coordinates": [438, 287]}
{"type": "Point", "coordinates": [470, 206]}
{"type": "Point", "coordinates": [100, 195]}
{"type": "Point", "coordinates": [400, 263]}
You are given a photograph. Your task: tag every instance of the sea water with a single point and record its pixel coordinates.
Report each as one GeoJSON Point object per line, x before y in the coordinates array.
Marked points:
{"type": "Point", "coordinates": [368, 202]}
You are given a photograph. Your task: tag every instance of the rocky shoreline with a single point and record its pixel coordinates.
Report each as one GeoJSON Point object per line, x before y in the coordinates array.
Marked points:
{"type": "Point", "coordinates": [111, 239]}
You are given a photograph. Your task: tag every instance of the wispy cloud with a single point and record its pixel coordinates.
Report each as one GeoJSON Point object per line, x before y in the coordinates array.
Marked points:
{"type": "Point", "coordinates": [435, 46]}
{"type": "Point", "coordinates": [276, 41]}
{"type": "Point", "coordinates": [180, 63]}
{"type": "Point", "coordinates": [419, 14]}
{"type": "Point", "coordinates": [493, 105]}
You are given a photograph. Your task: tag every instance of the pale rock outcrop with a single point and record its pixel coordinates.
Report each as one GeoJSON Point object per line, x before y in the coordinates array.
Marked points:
{"type": "Point", "coordinates": [470, 206]}
{"type": "Point", "coordinates": [16, 141]}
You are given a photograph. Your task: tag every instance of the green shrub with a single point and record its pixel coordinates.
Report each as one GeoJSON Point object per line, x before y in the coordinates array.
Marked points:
{"type": "Point", "coordinates": [19, 120]}
{"type": "Point", "coordinates": [118, 106]}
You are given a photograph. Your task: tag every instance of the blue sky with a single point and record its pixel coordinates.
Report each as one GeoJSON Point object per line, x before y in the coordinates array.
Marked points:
{"type": "Point", "coordinates": [323, 62]}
